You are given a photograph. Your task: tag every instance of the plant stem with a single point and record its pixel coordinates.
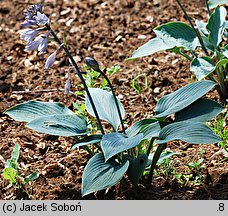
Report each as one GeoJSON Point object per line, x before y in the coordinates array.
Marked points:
{"type": "Point", "coordinates": [195, 30]}
{"type": "Point", "coordinates": [150, 146]}
{"type": "Point", "coordinates": [207, 6]}
{"type": "Point", "coordinates": [221, 79]}
{"type": "Point", "coordinates": [89, 151]}
{"type": "Point", "coordinates": [115, 99]}
{"type": "Point", "coordinates": [80, 76]}
{"type": "Point", "coordinates": [185, 55]}
{"type": "Point", "coordinates": [154, 161]}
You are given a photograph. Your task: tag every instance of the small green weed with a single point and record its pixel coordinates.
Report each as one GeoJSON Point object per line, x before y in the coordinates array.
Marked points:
{"type": "Point", "coordinates": [11, 171]}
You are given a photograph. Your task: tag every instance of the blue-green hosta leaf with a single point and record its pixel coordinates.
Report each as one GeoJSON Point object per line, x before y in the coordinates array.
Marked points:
{"type": "Point", "coordinates": [207, 43]}
{"type": "Point", "coordinates": [187, 131]}
{"type": "Point", "coordinates": [99, 175]}
{"type": "Point", "coordinates": [137, 126]}
{"type": "Point", "coordinates": [202, 67]}
{"type": "Point", "coordinates": [60, 125]}
{"type": "Point", "coordinates": [115, 143]}
{"type": "Point", "coordinates": [92, 139]}
{"type": "Point", "coordinates": [201, 110]}
{"type": "Point", "coordinates": [178, 34]}
{"type": "Point", "coordinates": [215, 3]}
{"type": "Point", "coordinates": [152, 46]}
{"type": "Point", "coordinates": [151, 130]}
{"type": "Point", "coordinates": [182, 98]}
{"type": "Point", "coordinates": [216, 25]}
{"type": "Point", "coordinates": [136, 168]}
{"type": "Point", "coordinates": [30, 110]}
{"type": "Point", "coordinates": [169, 36]}
{"type": "Point", "coordinates": [201, 26]}
{"type": "Point", "coordinates": [106, 107]}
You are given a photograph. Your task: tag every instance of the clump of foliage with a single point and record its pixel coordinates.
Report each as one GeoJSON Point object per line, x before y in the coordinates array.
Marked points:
{"type": "Point", "coordinates": [121, 151]}
{"type": "Point", "coordinates": [204, 45]}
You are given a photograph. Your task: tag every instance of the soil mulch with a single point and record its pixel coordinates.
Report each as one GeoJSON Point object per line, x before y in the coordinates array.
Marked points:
{"type": "Point", "coordinates": [110, 31]}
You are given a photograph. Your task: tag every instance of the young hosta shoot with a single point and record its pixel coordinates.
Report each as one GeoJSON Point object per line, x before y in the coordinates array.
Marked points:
{"type": "Point", "coordinates": [183, 39]}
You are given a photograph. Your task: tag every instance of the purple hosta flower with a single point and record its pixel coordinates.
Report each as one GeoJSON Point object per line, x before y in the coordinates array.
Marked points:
{"type": "Point", "coordinates": [51, 59]}
{"type": "Point", "coordinates": [28, 34]}
{"type": "Point", "coordinates": [39, 43]}
{"type": "Point", "coordinates": [32, 11]}
{"type": "Point", "coordinates": [34, 16]}
{"type": "Point", "coordinates": [27, 23]}
{"type": "Point", "coordinates": [41, 19]}
{"type": "Point", "coordinates": [34, 45]}
{"type": "Point", "coordinates": [43, 45]}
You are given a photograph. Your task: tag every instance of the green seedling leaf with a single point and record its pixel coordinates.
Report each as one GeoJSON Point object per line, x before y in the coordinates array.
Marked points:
{"type": "Point", "coordinates": [10, 174]}
{"type": "Point", "coordinates": [222, 62]}
{"type": "Point", "coordinates": [60, 125]}
{"type": "Point", "coordinates": [13, 161]}
{"type": "Point", "coordinates": [137, 126]}
{"type": "Point", "coordinates": [30, 110]}
{"type": "Point", "coordinates": [202, 67]}
{"type": "Point", "coordinates": [201, 110]}
{"type": "Point", "coordinates": [182, 98]}
{"type": "Point", "coordinates": [31, 177]}
{"type": "Point", "coordinates": [187, 131]}
{"type": "Point", "coordinates": [115, 143]}
{"type": "Point", "coordinates": [216, 25]}
{"type": "Point", "coordinates": [169, 35]}
{"type": "Point", "coordinates": [136, 168]}
{"type": "Point", "coordinates": [92, 139]}
{"type": "Point", "coordinates": [105, 105]}
{"type": "Point", "coordinates": [99, 175]}
{"type": "Point", "coordinates": [215, 3]}
{"type": "Point", "coordinates": [15, 153]}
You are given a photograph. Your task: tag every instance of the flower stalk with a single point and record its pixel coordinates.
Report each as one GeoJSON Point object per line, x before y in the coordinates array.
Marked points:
{"type": "Point", "coordinates": [92, 63]}
{"type": "Point", "coordinates": [79, 75]}
{"type": "Point", "coordinates": [193, 27]}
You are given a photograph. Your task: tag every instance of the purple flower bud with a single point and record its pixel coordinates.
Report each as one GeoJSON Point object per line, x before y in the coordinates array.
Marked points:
{"type": "Point", "coordinates": [35, 43]}
{"type": "Point", "coordinates": [28, 34]}
{"type": "Point", "coordinates": [41, 19]}
{"type": "Point", "coordinates": [32, 11]}
{"type": "Point", "coordinates": [51, 59]}
{"type": "Point", "coordinates": [67, 87]}
{"type": "Point", "coordinates": [92, 63]}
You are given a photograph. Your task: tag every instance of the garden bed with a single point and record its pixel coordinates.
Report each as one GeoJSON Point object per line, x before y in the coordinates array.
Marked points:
{"type": "Point", "coordinates": [110, 31]}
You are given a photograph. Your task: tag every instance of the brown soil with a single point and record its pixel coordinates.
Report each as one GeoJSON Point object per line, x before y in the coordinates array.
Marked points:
{"type": "Point", "coordinates": [110, 31]}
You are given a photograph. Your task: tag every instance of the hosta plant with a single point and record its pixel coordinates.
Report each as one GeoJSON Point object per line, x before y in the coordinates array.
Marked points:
{"type": "Point", "coordinates": [203, 44]}
{"type": "Point", "coordinates": [120, 151]}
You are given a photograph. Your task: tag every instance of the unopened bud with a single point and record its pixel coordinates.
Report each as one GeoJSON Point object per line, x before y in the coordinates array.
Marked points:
{"type": "Point", "coordinates": [92, 63]}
